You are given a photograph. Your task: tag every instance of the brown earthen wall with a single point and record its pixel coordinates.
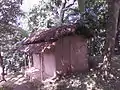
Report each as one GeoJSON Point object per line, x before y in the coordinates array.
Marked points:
{"type": "Point", "coordinates": [79, 54]}
{"type": "Point", "coordinates": [71, 54]}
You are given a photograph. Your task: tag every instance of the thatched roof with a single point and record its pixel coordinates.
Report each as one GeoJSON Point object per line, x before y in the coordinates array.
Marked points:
{"type": "Point", "coordinates": [51, 34]}
{"type": "Point", "coordinates": [42, 39]}
{"type": "Point", "coordinates": [36, 48]}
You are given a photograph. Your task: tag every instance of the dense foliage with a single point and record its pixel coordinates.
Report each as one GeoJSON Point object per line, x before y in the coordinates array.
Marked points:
{"type": "Point", "coordinates": [52, 13]}
{"type": "Point", "coordinates": [9, 11]}
{"type": "Point", "coordinates": [10, 33]}
{"type": "Point", "coordinates": [98, 24]}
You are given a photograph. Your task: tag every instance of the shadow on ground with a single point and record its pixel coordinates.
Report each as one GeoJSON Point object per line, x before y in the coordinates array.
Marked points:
{"type": "Point", "coordinates": [92, 80]}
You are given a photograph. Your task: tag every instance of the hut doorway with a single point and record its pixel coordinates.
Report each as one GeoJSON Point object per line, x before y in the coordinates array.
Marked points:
{"type": "Point", "coordinates": [36, 61]}
{"type": "Point", "coordinates": [49, 64]}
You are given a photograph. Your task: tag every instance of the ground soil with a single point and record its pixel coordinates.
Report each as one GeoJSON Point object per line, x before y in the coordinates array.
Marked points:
{"type": "Point", "coordinates": [91, 80]}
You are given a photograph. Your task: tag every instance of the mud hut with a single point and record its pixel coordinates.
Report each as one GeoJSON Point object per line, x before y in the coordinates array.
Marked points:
{"type": "Point", "coordinates": [58, 50]}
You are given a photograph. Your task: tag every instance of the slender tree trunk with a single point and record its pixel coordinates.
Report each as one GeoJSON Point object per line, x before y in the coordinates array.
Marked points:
{"type": "Point", "coordinates": [2, 66]}
{"type": "Point", "coordinates": [62, 12]}
{"type": "Point", "coordinates": [81, 5]}
{"type": "Point", "coordinates": [117, 40]}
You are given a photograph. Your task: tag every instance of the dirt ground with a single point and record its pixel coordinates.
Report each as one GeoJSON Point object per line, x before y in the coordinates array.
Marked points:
{"type": "Point", "coordinates": [92, 80]}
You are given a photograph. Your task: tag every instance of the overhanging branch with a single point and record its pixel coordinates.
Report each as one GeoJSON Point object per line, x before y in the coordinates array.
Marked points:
{"type": "Point", "coordinates": [62, 12]}
{"type": "Point", "coordinates": [70, 4]}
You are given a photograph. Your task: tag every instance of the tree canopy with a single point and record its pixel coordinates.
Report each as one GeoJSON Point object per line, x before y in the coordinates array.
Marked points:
{"type": "Point", "coordinates": [53, 13]}
{"type": "Point", "coordinates": [10, 32]}
{"type": "Point", "coordinates": [9, 11]}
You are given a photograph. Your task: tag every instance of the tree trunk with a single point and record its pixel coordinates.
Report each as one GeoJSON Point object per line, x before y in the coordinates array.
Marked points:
{"type": "Point", "coordinates": [117, 40]}
{"type": "Point", "coordinates": [62, 12]}
{"type": "Point", "coordinates": [113, 13]}
{"type": "Point", "coordinates": [2, 66]}
{"type": "Point", "coordinates": [81, 5]}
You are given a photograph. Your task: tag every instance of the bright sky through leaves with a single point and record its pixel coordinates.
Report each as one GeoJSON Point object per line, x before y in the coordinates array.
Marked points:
{"type": "Point", "coordinates": [28, 4]}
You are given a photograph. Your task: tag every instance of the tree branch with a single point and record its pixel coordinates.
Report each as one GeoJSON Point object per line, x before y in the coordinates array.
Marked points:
{"type": "Point", "coordinates": [70, 4]}
{"type": "Point", "coordinates": [62, 12]}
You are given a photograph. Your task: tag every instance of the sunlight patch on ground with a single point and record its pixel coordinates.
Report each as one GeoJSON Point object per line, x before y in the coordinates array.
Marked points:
{"type": "Point", "coordinates": [20, 81]}
{"type": "Point", "coordinates": [13, 80]}
{"type": "Point", "coordinates": [8, 78]}
{"type": "Point", "coordinates": [90, 84]}
{"type": "Point", "coordinates": [20, 76]}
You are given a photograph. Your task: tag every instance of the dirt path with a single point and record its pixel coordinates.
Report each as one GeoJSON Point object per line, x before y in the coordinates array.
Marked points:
{"type": "Point", "coordinates": [24, 87]}
{"type": "Point", "coordinates": [18, 82]}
